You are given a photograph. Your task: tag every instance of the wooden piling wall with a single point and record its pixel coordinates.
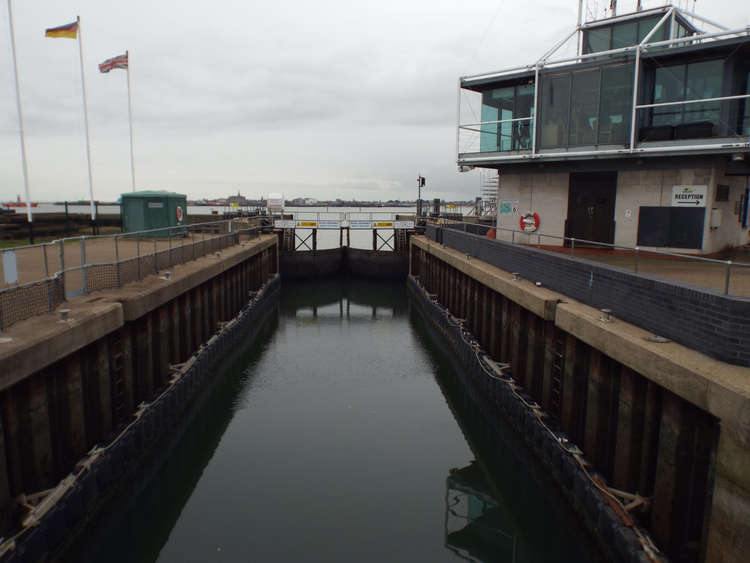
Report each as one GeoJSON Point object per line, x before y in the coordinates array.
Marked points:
{"type": "Point", "coordinates": [50, 417]}
{"type": "Point", "coordinates": [629, 406]}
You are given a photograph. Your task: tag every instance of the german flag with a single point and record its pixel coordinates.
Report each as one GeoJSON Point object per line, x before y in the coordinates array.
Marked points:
{"type": "Point", "coordinates": [69, 30]}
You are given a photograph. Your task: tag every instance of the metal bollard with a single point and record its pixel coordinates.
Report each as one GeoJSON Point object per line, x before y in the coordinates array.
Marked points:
{"type": "Point", "coordinates": [729, 276]}
{"type": "Point", "coordinates": [635, 260]}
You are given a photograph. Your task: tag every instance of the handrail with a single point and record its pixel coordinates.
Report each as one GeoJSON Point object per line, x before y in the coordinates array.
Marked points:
{"type": "Point", "coordinates": [637, 250]}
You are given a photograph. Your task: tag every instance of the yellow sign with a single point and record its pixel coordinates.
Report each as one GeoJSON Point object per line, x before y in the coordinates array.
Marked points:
{"type": "Point", "coordinates": [235, 204]}
{"type": "Point", "coordinates": [383, 225]}
{"type": "Point", "coordinates": [308, 224]}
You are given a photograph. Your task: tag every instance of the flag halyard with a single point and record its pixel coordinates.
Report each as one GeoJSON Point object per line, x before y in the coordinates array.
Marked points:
{"type": "Point", "coordinates": [120, 61]}
{"type": "Point", "coordinates": [69, 31]}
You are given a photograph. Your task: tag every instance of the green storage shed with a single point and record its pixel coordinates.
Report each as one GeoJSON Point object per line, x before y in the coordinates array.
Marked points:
{"type": "Point", "coordinates": [146, 210]}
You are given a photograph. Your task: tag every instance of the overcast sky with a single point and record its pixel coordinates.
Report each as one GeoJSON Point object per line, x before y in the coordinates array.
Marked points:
{"type": "Point", "coordinates": [324, 99]}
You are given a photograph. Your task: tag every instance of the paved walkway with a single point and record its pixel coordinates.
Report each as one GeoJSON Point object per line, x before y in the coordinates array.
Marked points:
{"type": "Point", "coordinates": [694, 272]}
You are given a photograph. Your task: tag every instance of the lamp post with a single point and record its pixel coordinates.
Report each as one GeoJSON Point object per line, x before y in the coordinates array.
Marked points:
{"type": "Point", "coordinates": [420, 185]}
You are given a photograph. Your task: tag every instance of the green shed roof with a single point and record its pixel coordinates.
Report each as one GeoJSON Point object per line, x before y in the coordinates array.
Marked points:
{"type": "Point", "coordinates": [154, 193]}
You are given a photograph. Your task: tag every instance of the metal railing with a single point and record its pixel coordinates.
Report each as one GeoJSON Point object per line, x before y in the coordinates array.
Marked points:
{"type": "Point", "coordinates": [630, 258]}
{"type": "Point", "coordinates": [40, 277]}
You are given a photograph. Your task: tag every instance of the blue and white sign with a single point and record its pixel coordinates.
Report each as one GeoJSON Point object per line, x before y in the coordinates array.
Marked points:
{"type": "Point", "coordinates": [360, 224]}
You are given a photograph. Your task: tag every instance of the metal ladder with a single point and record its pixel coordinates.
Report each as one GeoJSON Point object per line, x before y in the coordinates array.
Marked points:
{"type": "Point", "coordinates": [116, 369]}
{"type": "Point", "coordinates": [558, 365]}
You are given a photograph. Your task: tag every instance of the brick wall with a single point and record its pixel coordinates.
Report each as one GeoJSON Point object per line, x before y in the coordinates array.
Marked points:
{"type": "Point", "coordinates": [709, 322]}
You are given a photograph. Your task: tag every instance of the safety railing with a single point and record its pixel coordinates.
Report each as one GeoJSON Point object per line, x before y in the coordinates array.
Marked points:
{"type": "Point", "coordinates": [38, 278]}
{"type": "Point", "coordinates": [732, 277]}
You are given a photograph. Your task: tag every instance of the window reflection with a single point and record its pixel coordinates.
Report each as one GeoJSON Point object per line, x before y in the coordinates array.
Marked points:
{"type": "Point", "coordinates": [692, 81]}
{"type": "Point", "coordinates": [554, 110]}
{"type": "Point", "coordinates": [584, 114]}
{"type": "Point", "coordinates": [586, 108]}
{"type": "Point", "coordinates": [616, 101]}
{"type": "Point", "coordinates": [626, 34]}
{"type": "Point", "coordinates": [504, 104]}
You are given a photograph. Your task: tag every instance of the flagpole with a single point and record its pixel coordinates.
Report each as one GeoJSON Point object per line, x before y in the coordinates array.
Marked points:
{"type": "Point", "coordinates": [29, 215]}
{"type": "Point", "coordinates": [130, 120]}
{"type": "Point", "coordinates": [86, 121]}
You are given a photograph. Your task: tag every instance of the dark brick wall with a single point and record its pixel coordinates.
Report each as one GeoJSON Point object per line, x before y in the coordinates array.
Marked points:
{"type": "Point", "coordinates": [704, 320]}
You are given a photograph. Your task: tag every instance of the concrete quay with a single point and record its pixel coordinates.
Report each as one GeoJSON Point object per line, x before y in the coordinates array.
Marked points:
{"type": "Point", "coordinates": [663, 423]}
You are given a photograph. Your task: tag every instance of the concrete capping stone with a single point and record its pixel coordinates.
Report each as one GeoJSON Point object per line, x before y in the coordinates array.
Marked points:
{"type": "Point", "coordinates": [42, 340]}
{"type": "Point", "coordinates": [538, 300]}
{"type": "Point", "coordinates": [140, 298]}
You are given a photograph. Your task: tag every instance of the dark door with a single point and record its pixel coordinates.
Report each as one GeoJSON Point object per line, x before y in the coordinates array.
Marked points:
{"type": "Point", "coordinates": [591, 206]}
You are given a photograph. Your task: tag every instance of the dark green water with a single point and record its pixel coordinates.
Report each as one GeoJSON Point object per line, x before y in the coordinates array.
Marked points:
{"type": "Point", "coordinates": [341, 434]}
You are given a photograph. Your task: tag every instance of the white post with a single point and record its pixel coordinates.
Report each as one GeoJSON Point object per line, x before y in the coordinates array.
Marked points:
{"type": "Point", "coordinates": [130, 120]}
{"type": "Point", "coordinates": [536, 113]}
{"type": "Point", "coordinates": [86, 121]}
{"type": "Point", "coordinates": [579, 42]}
{"type": "Point", "coordinates": [458, 118]}
{"type": "Point", "coordinates": [633, 119]}
{"type": "Point", "coordinates": [20, 116]}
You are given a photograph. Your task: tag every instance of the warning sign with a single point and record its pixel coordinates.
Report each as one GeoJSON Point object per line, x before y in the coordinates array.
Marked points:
{"type": "Point", "coordinates": [689, 196]}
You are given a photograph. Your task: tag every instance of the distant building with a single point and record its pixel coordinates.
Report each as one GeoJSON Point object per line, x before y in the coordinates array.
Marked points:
{"type": "Point", "coordinates": [237, 201]}
{"type": "Point", "coordinates": [642, 138]}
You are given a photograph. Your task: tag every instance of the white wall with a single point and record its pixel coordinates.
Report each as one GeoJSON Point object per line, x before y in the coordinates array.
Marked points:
{"type": "Point", "coordinates": [547, 194]}
{"type": "Point", "coordinates": [543, 193]}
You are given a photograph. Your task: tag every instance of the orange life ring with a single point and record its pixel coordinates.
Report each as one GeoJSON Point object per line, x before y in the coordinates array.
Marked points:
{"type": "Point", "coordinates": [491, 233]}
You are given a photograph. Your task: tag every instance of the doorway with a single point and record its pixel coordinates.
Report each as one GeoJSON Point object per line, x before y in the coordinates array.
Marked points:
{"type": "Point", "coordinates": [591, 206]}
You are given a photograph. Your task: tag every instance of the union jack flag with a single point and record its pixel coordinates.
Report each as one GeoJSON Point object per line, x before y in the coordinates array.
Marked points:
{"type": "Point", "coordinates": [120, 61]}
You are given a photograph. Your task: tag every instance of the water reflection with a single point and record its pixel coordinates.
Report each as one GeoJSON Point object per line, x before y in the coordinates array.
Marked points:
{"type": "Point", "coordinates": [501, 506]}
{"type": "Point", "coordinates": [329, 440]}
{"type": "Point", "coordinates": [476, 528]}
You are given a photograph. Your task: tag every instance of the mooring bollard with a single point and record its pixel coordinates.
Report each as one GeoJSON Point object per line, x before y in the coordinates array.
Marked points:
{"type": "Point", "coordinates": [729, 275]}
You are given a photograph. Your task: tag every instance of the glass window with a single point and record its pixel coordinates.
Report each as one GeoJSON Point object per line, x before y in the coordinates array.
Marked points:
{"type": "Point", "coordinates": [694, 81]}
{"type": "Point", "coordinates": [624, 34]}
{"type": "Point", "coordinates": [669, 84]}
{"type": "Point", "coordinates": [703, 81]}
{"type": "Point", "coordinates": [646, 25]}
{"type": "Point", "coordinates": [488, 135]}
{"type": "Point", "coordinates": [524, 108]}
{"type": "Point", "coordinates": [502, 98]}
{"type": "Point", "coordinates": [504, 104]}
{"type": "Point", "coordinates": [595, 40]}
{"type": "Point", "coordinates": [555, 104]}
{"type": "Point", "coordinates": [746, 120]}
{"type": "Point", "coordinates": [616, 101]}
{"type": "Point", "coordinates": [584, 112]}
